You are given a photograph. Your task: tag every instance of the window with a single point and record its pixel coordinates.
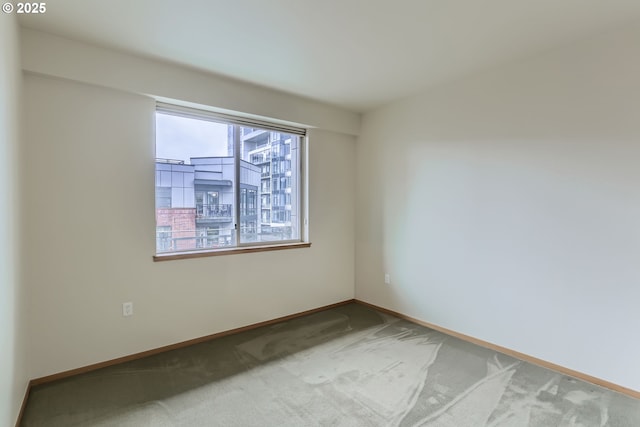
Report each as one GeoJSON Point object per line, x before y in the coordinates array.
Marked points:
{"type": "Point", "coordinates": [163, 238]}
{"type": "Point", "coordinates": [163, 197]}
{"type": "Point", "coordinates": [209, 238]}
{"type": "Point", "coordinates": [221, 182]}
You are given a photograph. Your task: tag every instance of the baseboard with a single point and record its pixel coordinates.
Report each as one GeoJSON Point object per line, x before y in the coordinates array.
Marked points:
{"type": "Point", "coordinates": [525, 357]}
{"type": "Point", "coordinates": [24, 404]}
{"type": "Point", "coordinates": [96, 366]}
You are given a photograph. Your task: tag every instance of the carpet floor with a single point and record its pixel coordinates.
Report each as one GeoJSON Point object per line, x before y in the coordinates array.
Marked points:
{"type": "Point", "coordinates": [346, 366]}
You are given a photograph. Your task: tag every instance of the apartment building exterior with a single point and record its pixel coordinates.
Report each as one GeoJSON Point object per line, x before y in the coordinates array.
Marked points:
{"type": "Point", "coordinates": [195, 200]}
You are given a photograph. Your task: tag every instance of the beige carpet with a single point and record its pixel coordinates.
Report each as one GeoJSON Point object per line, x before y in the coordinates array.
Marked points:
{"type": "Point", "coordinates": [348, 366]}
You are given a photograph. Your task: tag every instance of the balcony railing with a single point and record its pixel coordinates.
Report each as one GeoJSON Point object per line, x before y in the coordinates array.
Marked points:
{"type": "Point", "coordinates": [169, 161]}
{"type": "Point", "coordinates": [205, 211]}
{"type": "Point", "coordinates": [260, 158]}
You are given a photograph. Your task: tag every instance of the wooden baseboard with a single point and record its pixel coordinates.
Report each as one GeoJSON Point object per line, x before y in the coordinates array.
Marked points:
{"type": "Point", "coordinates": [24, 404]}
{"type": "Point", "coordinates": [525, 357]}
{"type": "Point", "coordinates": [560, 369]}
{"type": "Point", "coordinates": [95, 366]}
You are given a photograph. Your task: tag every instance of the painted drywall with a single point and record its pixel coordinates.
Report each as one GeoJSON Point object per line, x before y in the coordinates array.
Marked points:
{"type": "Point", "coordinates": [89, 197]}
{"type": "Point", "coordinates": [56, 56]}
{"type": "Point", "coordinates": [13, 379]}
{"type": "Point", "coordinates": [506, 206]}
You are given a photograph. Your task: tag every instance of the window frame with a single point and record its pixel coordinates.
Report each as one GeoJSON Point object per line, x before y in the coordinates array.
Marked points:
{"type": "Point", "coordinates": [301, 189]}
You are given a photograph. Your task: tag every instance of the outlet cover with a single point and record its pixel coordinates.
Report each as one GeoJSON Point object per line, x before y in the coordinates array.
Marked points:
{"type": "Point", "coordinates": [127, 309]}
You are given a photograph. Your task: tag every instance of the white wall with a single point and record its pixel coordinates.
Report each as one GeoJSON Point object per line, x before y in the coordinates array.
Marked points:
{"type": "Point", "coordinates": [507, 207]}
{"type": "Point", "coordinates": [60, 57]}
{"type": "Point", "coordinates": [13, 378]}
{"type": "Point", "coordinates": [89, 197]}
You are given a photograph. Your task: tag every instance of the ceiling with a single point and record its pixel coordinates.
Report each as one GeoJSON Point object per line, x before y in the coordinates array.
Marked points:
{"type": "Point", "coordinates": [358, 54]}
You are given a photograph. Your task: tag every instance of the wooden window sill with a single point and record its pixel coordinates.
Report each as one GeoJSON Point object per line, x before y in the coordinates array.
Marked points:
{"type": "Point", "coordinates": [232, 251]}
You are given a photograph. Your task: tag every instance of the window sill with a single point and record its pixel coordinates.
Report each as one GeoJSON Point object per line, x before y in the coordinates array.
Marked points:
{"type": "Point", "coordinates": [239, 250]}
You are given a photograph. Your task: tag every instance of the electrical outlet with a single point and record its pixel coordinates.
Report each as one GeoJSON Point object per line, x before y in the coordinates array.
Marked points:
{"type": "Point", "coordinates": [387, 279]}
{"type": "Point", "coordinates": [127, 309]}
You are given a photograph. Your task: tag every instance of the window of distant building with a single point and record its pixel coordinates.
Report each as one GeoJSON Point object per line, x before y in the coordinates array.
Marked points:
{"type": "Point", "coordinates": [163, 238]}
{"type": "Point", "coordinates": [226, 182]}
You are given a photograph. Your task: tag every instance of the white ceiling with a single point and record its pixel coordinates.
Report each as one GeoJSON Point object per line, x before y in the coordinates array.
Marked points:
{"type": "Point", "coordinates": [358, 54]}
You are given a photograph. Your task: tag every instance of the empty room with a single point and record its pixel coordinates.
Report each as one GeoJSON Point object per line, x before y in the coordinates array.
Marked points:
{"type": "Point", "coordinates": [320, 213]}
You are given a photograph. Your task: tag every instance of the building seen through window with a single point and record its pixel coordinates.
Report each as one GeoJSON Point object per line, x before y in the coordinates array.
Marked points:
{"type": "Point", "coordinates": [222, 185]}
